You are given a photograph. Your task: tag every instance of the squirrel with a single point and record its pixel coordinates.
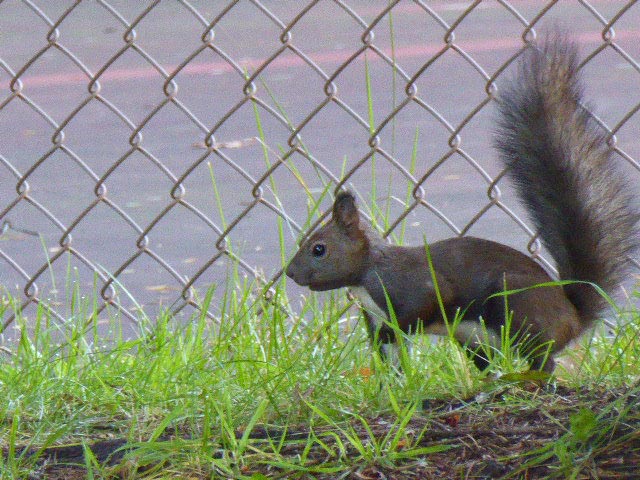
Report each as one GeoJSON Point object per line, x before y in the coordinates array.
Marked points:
{"type": "Point", "coordinates": [557, 155]}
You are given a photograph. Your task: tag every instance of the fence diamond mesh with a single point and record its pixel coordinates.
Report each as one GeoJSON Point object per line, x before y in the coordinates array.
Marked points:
{"type": "Point", "coordinates": [149, 148]}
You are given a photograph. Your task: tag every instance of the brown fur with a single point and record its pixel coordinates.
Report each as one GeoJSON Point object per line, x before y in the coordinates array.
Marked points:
{"type": "Point", "coordinates": [561, 165]}
{"type": "Point", "coordinates": [468, 271]}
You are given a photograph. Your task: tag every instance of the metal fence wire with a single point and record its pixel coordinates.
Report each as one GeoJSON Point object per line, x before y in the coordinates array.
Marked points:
{"type": "Point", "coordinates": [147, 148]}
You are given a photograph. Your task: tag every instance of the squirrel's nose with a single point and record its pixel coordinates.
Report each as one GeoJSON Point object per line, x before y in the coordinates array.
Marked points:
{"type": "Point", "coordinates": [290, 272]}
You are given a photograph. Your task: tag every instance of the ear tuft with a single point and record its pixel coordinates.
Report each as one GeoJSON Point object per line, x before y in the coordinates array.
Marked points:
{"type": "Point", "coordinates": [345, 212]}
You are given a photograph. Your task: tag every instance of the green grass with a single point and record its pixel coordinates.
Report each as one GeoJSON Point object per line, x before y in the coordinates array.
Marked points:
{"type": "Point", "coordinates": [291, 388]}
{"type": "Point", "coordinates": [196, 398]}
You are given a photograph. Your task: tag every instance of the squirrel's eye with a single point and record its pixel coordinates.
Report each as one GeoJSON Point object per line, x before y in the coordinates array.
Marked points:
{"type": "Point", "coordinates": [318, 250]}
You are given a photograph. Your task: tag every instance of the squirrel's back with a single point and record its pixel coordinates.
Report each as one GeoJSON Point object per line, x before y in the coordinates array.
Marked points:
{"type": "Point", "coordinates": [560, 161]}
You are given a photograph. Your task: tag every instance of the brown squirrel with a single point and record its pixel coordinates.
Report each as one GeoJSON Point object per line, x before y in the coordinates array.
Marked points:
{"type": "Point", "coordinates": [557, 155]}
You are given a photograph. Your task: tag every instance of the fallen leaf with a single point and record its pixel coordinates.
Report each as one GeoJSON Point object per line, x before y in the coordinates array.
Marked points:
{"type": "Point", "coordinates": [452, 420]}
{"type": "Point", "coordinates": [160, 288]}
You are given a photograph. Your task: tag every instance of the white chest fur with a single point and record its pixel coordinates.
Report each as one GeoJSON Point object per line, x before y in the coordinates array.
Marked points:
{"type": "Point", "coordinates": [364, 299]}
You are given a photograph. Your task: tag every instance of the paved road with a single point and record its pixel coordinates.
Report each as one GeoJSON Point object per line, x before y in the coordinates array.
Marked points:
{"type": "Point", "coordinates": [132, 97]}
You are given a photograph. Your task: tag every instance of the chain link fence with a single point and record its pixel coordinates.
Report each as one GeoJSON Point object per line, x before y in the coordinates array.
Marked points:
{"type": "Point", "coordinates": [147, 148]}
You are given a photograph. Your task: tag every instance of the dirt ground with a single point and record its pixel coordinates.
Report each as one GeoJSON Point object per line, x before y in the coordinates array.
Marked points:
{"type": "Point", "coordinates": [485, 438]}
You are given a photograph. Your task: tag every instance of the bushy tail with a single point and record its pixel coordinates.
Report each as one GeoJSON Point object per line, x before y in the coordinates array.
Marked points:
{"type": "Point", "coordinates": [559, 160]}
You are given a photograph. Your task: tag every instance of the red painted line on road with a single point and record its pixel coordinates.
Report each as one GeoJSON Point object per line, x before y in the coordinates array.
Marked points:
{"type": "Point", "coordinates": [448, 6]}
{"type": "Point", "coordinates": [290, 60]}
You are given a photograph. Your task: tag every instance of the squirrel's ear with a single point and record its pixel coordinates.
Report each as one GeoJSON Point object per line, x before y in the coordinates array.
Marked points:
{"type": "Point", "coordinates": [345, 212]}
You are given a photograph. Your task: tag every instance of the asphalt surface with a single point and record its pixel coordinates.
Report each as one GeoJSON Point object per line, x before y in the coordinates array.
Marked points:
{"type": "Point", "coordinates": [100, 121]}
